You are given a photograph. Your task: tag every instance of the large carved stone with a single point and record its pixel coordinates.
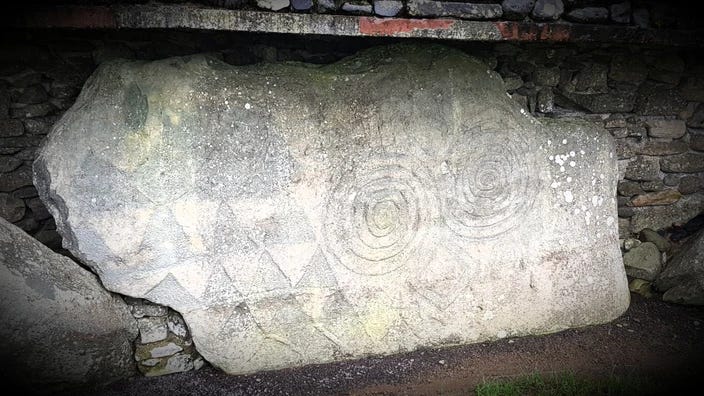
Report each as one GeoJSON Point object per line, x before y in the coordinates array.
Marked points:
{"type": "Point", "coordinates": [302, 214]}
{"type": "Point", "coordinates": [60, 327]}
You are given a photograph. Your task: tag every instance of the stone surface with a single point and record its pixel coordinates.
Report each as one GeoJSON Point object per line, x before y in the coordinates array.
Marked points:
{"type": "Point", "coordinates": [697, 118]}
{"type": "Point", "coordinates": [629, 188]}
{"type": "Point", "coordinates": [654, 185]}
{"type": "Point", "coordinates": [692, 89]}
{"type": "Point", "coordinates": [141, 308]}
{"type": "Point", "coordinates": [293, 224]}
{"type": "Point", "coordinates": [24, 79]}
{"type": "Point", "coordinates": [659, 217]}
{"type": "Point", "coordinates": [592, 78]}
{"type": "Point", "coordinates": [547, 10]}
{"type": "Point", "coordinates": [683, 163]}
{"type": "Point", "coordinates": [325, 6]}
{"type": "Point", "coordinates": [671, 180]}
{"type": "Point", "coordinates": [668, 61]}
{"type": "Point", "coordinates": [49, 238]}
{"type": "Point", "coordinates": [8, 163]}
{"type": "Point", "coordinates": [21, 141]}
{"type": "Point", "coordinates": [643, 168]}
{"type": "Point", "coordinates": [25, 192]}
{"type": "Point", "coordinates": [517, 9]}
{"type": "Point", "coordinates": [642, 287]}
{"type": "Point", "coordinates": [388, 8]}
{"type": "Point", "coordinates": [110, 51]}
{"type": "Point", "coordinates": [630, 243]}
{"type": "Point", "coordinates": [548, 76]}
{"type": "Point", "coordinates": [641, 17]}
{"type": "Point", "coordinates": [696, 141]}
{"type": "Point", "coordinates": [659, 99]}
{"type": "Point", "coordinates": [616, 101]}
{"type": "Point", "coordinates": [176, 325]}
{"type": "Point", "coordinates": [174, 364]}
{"type": "Point", "coordinates": [682, 281]}
{"type": "Point", "coordinates": [643, 261]}
{"type": "Point", "coordinates": [33, 95]}
{"type": "Point", "coordinates": [665, 76]}
{"type": "Point", "coordinates": [626, 148]}
{"type": "Point", "coordinates": [628, 68]}
{"type": "Point", "coordinates": [431, 8]}
{"type": "Point", "coordinates": [661, 147]}
{"type": "Point", "coordinates": [588, 15]}
{"type": "Point", "coordinates": [673, 129]}
{"type": "Point", "coordinates": [512, 82]}
{"type": "Point", "coordinates": [621, 12]}
{"type": "Point", "coordinates": [64, 90]}
{"type": "Point", "coordinates": [39, 126]}
{"type": "Point", "coordinates": [274, 5]}
{"type": "Point", "coordinates": [648, 235]}
{"type": "Point", "coordinates": [691, 184]}
{"type": "Point", "coordinates": [152, 329]}
{"type": "Point", "coordinates": [32, 110]}
{"type": "Point", "coordinates": [624, 225]}
{"type": "Point", "coordinates": [232, 4]}
{"type": "Point", "coordinates": [18, 178]}
{"type": "Point", "coordinates": [60, 327]}
{"type": "Point", "coordinates": [664, 197]}
{"type": "Point", "coordinates": [545, 101]}
{"type": "Point", "coordinates": [168, 347]}
{"type": "Point", "coordinates": [4, 104]}
{"type": "Point", "coordinates": [357, 7]}
{"type": "Point", "coordinates": [625, 211]}
{"type": "Point", "coordinates": [10, 128]}
{"type": "Point", "coordinates": [166, 350]}
{"type": "Point", "coordinates": [39, 211]}
{"type": "Point", "coordinates": [11, 209]}
{"type": "Point", "coordinates": [301, 5]}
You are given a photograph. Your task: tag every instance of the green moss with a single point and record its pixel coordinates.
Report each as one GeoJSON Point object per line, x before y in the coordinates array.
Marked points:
{"type": "Point", "coordinates": [566, 384]}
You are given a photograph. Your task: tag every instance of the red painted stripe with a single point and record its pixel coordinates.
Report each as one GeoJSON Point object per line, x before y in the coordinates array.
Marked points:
{"type": "Point", "coordinates": [393, 26]}
{"type": "Point", "coordinates": [71, 17]}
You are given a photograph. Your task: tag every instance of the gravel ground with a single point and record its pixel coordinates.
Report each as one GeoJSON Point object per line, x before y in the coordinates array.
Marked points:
{"type": "Point", "coordinates": [661, 341]}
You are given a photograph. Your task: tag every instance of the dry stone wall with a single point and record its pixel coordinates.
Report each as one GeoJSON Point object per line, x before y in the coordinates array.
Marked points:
{"type": "Point", "coordinates": [642, 13]}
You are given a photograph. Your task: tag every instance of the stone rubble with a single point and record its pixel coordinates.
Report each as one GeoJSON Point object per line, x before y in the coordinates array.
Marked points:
{"type": "Point", "coordinates": [682, 280]}
{"type": "Point", "coordinates": [643, 261]}
{"type": "Point", "coordinates": [164, 345]}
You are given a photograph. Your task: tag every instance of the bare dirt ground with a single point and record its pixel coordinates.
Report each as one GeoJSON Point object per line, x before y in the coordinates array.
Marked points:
{"type": "Point", "coordinates": [662, 341]}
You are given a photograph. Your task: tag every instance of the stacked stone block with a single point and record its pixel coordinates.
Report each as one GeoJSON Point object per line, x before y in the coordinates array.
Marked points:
{"type": "Point", "coordinates": [30, 102]}
{"type": "Point", "coordinates": [164, 345]}
{"type": "Point", "coordinates": [613, 12]}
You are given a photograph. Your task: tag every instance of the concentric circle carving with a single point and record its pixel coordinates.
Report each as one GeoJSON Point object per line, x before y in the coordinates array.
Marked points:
{"type": "Point", "coordinates": [489, 184]}
{"type": "Point", "coordinates": [378, 213]}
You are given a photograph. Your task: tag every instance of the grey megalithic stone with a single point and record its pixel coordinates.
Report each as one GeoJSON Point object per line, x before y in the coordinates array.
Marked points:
{"type": "Point", "coordinates": [60, 327]}
{"type": "Point", "coordinates": [298, 213]}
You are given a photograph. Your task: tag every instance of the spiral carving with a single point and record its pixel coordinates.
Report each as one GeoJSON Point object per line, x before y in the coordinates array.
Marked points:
{"type": "Point", "coordinates": [489, 184]}
{"type": "Point", "coordinates": [378, 212]}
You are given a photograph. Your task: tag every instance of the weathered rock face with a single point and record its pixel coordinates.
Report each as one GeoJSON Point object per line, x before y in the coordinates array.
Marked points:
{"type": "Point", "coordinates": [60, 327]}
{"type": "Point", "coordinates": [682, 280]}
{"type": "Point", "coordinates": [302, 214]}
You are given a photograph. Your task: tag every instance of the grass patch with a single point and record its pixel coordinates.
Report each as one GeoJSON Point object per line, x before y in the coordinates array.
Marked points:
{"type": "Point", "coordinates": [566, 384]}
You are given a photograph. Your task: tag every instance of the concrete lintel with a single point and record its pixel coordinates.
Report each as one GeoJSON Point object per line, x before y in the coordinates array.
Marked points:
{"type": "Point", "coordinates": [163, 16]}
